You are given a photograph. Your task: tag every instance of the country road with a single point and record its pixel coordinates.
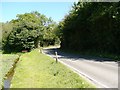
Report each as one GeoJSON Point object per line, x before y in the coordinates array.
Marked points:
{"type": "Point", "coordinates": [102, 72]}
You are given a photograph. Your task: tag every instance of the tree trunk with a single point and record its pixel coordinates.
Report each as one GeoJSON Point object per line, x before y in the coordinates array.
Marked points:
{"type": "Point", "coordinates": [37, 43]}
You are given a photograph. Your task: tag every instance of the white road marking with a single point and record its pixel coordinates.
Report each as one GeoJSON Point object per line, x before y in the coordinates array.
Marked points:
{"type": "Point", "coordinates": [81, 73]}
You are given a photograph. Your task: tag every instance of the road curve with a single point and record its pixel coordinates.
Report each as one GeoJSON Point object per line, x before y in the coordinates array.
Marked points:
{"type": "Point", "coordinates": [102, 72]}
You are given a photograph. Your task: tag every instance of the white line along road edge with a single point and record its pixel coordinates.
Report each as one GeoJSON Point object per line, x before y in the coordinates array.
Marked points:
{"type": "Point", "coordinates": [82, 74]}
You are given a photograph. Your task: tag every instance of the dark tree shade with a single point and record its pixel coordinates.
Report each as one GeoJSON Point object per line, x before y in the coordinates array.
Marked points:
{"type": "Point", "coordinates": [92, 26]}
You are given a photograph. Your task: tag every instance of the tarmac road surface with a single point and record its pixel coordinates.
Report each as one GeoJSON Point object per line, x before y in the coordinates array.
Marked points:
{"type": "Point", "coordinates": [100, 71]}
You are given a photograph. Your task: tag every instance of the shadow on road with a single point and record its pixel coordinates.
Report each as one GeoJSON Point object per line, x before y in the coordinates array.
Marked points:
{"type": "Point", "coordinates": [70, 56]}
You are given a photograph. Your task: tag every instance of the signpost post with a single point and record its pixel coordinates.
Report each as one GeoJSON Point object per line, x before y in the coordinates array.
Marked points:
{"type": "Point", "coordinates": [56, 57]}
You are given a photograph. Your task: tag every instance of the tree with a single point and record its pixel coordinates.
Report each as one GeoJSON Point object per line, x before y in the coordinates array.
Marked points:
{"type": "Point", "coordinates": [0, 36]}
{"type": "Point", "coordinates": [29, 31]}
{"type": "Point", "coordinates": [92, 26]}
{"type": "Point", "coordinates": [6, 28]}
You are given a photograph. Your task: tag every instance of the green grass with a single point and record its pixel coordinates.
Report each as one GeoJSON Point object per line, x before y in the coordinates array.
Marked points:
{"type": "Point", "coordinates": [36, 70]}
{"type": "Point", "coordinates": [7, 61]}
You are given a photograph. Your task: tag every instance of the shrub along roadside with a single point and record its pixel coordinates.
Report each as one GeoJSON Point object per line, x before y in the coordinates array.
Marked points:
{"type": "Point", "coordinates": [35, 70]}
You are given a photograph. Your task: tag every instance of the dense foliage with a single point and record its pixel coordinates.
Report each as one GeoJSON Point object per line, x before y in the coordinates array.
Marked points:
{"type": "Point", "coordinates": [6, 29]}
{"type": "Point", "coordinates": [92, 26]}
{"type": "Point", "coordinates": [28, 31]}
{"type": "Point", "coordinates": [0, 36]}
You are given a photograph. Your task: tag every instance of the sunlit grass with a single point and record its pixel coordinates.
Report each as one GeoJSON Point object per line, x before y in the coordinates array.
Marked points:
{"type": "Point", "coordinates": [36, 70]}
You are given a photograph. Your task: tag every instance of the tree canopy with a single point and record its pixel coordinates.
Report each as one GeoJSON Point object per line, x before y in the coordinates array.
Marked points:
{"type": "Point", "coordinates": [92, 26]}
{"type": "Point", "coordinates": [28, 31]}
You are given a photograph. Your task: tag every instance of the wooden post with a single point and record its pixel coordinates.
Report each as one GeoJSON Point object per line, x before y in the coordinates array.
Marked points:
{"type": "Point", "coordinates": [56, 57]}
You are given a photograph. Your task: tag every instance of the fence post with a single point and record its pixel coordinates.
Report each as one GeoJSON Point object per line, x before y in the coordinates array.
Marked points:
{"type": "Point", "coordinates": [56, 57]}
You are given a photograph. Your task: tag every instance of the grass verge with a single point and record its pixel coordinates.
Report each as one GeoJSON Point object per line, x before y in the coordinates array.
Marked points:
{"type": "Point", "coordinates": [36, 70]}
{"type": "Point", "coordinates": [7, 61]}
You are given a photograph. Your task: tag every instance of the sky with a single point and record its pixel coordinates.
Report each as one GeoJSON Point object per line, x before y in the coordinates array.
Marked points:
{"type": "Point", "coordinates": [55, 10]}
